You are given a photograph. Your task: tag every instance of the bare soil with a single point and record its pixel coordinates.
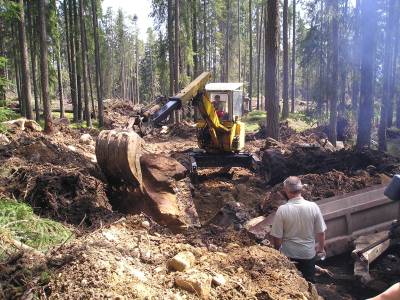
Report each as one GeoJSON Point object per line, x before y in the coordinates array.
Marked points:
{"type": "Point", "coordinates": [121, 256]}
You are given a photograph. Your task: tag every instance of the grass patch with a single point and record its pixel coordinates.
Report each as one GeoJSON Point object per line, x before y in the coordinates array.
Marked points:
{"type": "Point", "coordinates": [95, 124]}
{"type": "Point", "coordinates": [18, 221]}
{"type": "Point", "coordinates": [253, 120]}
{"type": "Point", "coordinates": [301, 121]}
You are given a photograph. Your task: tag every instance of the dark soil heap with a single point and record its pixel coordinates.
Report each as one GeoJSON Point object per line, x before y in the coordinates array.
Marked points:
{"type": "Point", "coordinates": [57, 175]}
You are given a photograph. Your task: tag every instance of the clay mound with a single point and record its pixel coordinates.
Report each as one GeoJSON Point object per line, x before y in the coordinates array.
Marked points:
{"type": "Point", "coordinates": [127, 260]}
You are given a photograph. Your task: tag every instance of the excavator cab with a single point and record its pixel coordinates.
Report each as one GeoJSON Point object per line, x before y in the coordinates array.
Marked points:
{"type": "Point", "coordinates": [227, 99]}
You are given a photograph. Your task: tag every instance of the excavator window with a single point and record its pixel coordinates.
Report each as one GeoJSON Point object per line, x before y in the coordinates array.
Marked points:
{"type": "Point", "coordinates": [220, 102]}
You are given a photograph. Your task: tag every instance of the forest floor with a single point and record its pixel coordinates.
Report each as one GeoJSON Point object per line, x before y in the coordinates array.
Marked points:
{"type": "Point", "coordinates": [103, 253]}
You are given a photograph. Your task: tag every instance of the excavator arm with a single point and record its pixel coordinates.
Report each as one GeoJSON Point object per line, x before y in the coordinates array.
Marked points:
{"type": "Point", "coordinates": [186, 95]}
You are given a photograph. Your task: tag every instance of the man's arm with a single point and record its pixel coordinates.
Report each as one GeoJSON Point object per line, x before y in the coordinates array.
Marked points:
{"type": "Point", "coordinates": [320, 237]}
{"type": "Point", "coordinates": [277, 230]}
{"type": "Point", "coordinates": [277, 242]}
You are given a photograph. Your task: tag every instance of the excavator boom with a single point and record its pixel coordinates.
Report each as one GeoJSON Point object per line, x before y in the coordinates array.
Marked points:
{"type": "Point", "coordinates": [183, 97]}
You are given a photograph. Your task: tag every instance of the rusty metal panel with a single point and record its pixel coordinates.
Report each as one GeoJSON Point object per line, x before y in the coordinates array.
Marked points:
{"type": "Point", "coordinates": [349, 216]}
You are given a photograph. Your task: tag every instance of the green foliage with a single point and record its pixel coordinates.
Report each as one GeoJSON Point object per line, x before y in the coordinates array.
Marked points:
{"type": "Point", "coordinates": [307, 117]}
{"type": "Point", "coordinates": [18, 221]}
{"type": "Point", "coordinates": [6, 114]}
{"type": "Point", "coordinates": [3, 81]}
{"type": "Point", "coordinates": [253, 120]}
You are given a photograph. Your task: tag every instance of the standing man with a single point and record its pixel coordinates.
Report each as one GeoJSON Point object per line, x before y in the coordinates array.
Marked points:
{"type": "Point", "coordinates": [298, 229]}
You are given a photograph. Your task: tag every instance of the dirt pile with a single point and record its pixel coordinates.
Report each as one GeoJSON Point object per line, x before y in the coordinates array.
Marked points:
{"type": "Point", "coordinates": [316, 160]}
{"type": "Point", "coordinates": [130, 260]}
{"type": "Point", "coordinates": [57, 175]}
{"type": "Point", "coordinates": [117, 112]}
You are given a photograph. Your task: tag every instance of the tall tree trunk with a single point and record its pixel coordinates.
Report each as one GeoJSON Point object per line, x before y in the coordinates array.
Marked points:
{"type": "Point", "coordinates": [396, 39]}
{"type": "Point", "coordinates": [26, 78]}
{"type": "Point", "coordinates": [227, 44]}
{"type": "Point", "coordinates": [285, 92]}
{"type": "Point", "coordinates": [259, 26]}
{"type": "Point", "coordinates": [78, 61]}
{"type": "Point", "coordinates": [177, 56]}
{"type": "Point", "coordinates": [251, 55]}
{"type": "Point", "coordinates": [99, 77]}
{"type": "Point", "coordinates": [369, 28]}
{"type": "Point", "coordinates": [271, 69]}
{"type": "Point", "coordinates": [60, 87]}
{"type": "Point", "coordinates": [17, 79]}
{"type": "Point", "coordinates": [293, 57]}
{"type": "Point", "coordinates": [355, 85]}
{"type": "Point", "coordinates": [32, 46]}
{"type": "Point", "coordinates": [2, 54]}
{"type": "Point", "coordinates": [73, 78]}
{"type": "Point", "coordinates": [194, 39]}
{"type": "Point", "coordinates": [239, 54]}
{"type": "Point", "coordinates": [205, 43]}
{"type": "Point", "coordinates": [171, 54]}
{"type": "Point", "coordinates": [84, 66]}
{"type": "Point", "coordinates": [177, 60]}
{"type": "Point", "coordinates": [44, 69]}
{"type": "Point", "coordinates": [387, 72]}
{"type": "Point", "coordinates": [334, 59]}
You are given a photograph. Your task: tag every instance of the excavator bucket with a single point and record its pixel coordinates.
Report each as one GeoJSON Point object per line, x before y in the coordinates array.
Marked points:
{"type": "Point", "coordinates": [118, 155]}
{"type": "Point", "coordinates": [156, 183]}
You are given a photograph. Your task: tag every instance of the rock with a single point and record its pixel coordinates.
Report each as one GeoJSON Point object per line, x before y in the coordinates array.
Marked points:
{"type": "Point", "coordinates": [139, 275]}
{"type": "Point", "coordinates": [23, 124]}
{"type": "Point", "coordinates": [195, 282]}
{"type": "Point", "coordinates": [327, 145]}
{"type": "Point", "coordinates": [164, 130]}
{"type": "Point", "coordinates": [72, 148]}
{"type": "Point", "coordinates": [32, 125]}
{"type": "Point", "coordinates": [86, 139]}
{"type": "Point", "coordinates": [182, 261]}
{"type": "Point", "coordinates": [212, 248]}
{"type": "Point", "coordinates": [4, 140]}
{"type": "Point", "coordinates": [339, 145]}
{"type": "Point", "coordinates": [218, 280]}
{"type": "Point", "coordinates": [146, 224]}
{"type": "Point", "coordinates": [241, 188]}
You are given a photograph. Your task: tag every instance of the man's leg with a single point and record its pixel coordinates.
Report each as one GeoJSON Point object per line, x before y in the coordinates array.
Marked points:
{"type": "Point", "coordinates": [307, 268]}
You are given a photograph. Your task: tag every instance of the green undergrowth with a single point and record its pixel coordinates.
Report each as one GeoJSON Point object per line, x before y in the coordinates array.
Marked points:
{"type": "Point", "coordinates": [6, 114]}
{"type": "Point", "coordinates": [253, 120]}
{"type": "Point", "coordinates": [299, 121]}
{"type": "Point", "coordinates": [19, 222]}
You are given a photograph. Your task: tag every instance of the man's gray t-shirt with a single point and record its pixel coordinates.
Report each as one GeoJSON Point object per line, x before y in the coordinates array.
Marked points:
{"type": "Point", "coordinates": [296, 223]}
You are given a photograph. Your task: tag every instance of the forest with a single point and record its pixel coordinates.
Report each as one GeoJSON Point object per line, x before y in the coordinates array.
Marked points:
{"type": "Point", "coordinates": [340, 57]}
{"type": "Point", "coordinates": [150, 163]}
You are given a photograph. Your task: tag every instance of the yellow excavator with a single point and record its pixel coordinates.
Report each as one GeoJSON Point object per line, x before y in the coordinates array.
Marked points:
{"type": "Point", "coordinates": [220, 133]}
{"type": "Point", "coordinates": [157, 183]}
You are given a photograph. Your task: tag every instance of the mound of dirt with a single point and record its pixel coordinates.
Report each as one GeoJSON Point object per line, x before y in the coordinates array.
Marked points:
{"type": "Point", "coordinates": [316, 160]}
{"type": "Point", "coordinates": [130, 260]}
{"type": "Point", "coordinates": [63, 194]}
{"type": "Point", "coordinates": [57, 175]}
{"type": "Point", "coordinates": [117, 112]}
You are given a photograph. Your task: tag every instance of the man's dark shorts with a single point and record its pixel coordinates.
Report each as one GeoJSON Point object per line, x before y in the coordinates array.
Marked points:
{"type": "Point", "coordinates": [306, 267]}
